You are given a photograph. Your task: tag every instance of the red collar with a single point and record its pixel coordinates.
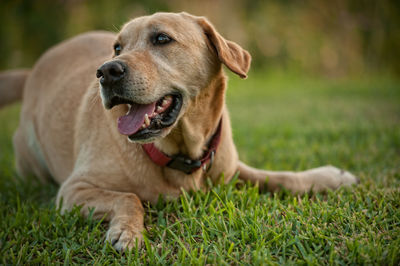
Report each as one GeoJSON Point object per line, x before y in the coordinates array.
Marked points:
{"type": "Point", "coordinates": [181, 162]}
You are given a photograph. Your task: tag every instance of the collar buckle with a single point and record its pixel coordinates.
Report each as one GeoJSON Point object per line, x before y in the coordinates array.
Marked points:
{"type": "Point", "coordinates": [184, 164]}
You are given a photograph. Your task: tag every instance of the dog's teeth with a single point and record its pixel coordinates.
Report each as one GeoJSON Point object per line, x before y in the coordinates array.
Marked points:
{"type": "Point", "coordinates": [159, 108]}
{"type": "Point", "coordinates": [143, 126]}
{"type": "Point", "coordinates": [146, 120]}
{"type": "Point", "coordinates": [129, 108]}
{"type": "Point", "coordinates": [164, 102]}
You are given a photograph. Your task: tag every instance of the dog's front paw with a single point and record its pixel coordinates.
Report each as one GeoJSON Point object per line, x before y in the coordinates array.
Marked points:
{"type": "Point", "coordinates": [123, 237]}
{"type": "Point", "coordinates": [328, 177]}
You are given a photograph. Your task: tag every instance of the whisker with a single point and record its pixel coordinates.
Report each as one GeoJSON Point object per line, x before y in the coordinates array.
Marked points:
{"type": "Point", "coordinates": [94, 101]}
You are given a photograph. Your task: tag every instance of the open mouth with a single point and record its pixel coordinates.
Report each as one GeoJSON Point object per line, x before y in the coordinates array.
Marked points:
{"type": "Point", "coordinates": [144, 121]}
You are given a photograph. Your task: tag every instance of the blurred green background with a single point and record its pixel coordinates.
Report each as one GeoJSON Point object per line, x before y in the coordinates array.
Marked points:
{"type": "Point", "coordinates": [325, 38]}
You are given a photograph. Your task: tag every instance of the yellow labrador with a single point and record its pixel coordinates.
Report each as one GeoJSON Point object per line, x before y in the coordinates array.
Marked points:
{"type": "Point", "coordinates": [153, 122]}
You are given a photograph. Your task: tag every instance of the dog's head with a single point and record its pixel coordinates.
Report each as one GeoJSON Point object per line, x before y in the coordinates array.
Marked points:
{"type": "Point", "coordinates": [160, 62]}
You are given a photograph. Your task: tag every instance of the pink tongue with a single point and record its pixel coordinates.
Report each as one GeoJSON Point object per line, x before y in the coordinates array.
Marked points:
{"type": "Point", "coordinates": [131, 122]}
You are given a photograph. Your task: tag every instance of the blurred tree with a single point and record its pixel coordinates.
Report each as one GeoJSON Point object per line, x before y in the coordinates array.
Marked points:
{"type": "Point", "coordinates": [28, 28]}
{"type": "Point", "coordinates": [334, 38]}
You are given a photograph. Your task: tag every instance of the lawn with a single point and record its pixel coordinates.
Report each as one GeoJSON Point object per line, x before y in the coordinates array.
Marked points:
{"type": "Point", "coordinates": [280, 122]}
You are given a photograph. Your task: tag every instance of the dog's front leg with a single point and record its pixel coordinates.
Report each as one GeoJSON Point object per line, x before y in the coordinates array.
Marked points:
{"type": "Point", "coordinates": [124, 211]}
{"type": "Point", "coordinates": [316, 180]}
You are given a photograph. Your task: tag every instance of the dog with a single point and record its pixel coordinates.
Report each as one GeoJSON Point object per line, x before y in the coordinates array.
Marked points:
{"type": "Point", "coordinates": [118, 119]}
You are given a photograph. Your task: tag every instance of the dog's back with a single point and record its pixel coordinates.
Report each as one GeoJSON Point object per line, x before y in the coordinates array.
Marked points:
{"type": "Point", "coordinates": [47, 119]}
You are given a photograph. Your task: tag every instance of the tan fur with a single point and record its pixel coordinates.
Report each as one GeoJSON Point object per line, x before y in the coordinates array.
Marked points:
{"type": "Point", "coordinates": [11, 85]}
{"type": "Point", "coordinates": [66, 133]}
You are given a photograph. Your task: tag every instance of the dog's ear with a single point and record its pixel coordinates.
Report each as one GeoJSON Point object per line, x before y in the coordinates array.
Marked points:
{"type": "Point", "coordinates": [229, 53]}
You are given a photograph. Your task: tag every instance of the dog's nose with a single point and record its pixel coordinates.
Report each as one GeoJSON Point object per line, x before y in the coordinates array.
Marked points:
{"type": "Point", "coordinates": [111, 72]}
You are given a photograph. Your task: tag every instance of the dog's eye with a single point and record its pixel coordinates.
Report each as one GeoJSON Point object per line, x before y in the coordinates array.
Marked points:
{"type": "Point", "coordinates": [117, 49]}
{"type": "Point", "coordinates": [162, 38]}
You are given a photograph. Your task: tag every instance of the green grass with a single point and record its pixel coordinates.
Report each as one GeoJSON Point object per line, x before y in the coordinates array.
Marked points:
{"type": "Point", "coordinates": [279, 123]}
